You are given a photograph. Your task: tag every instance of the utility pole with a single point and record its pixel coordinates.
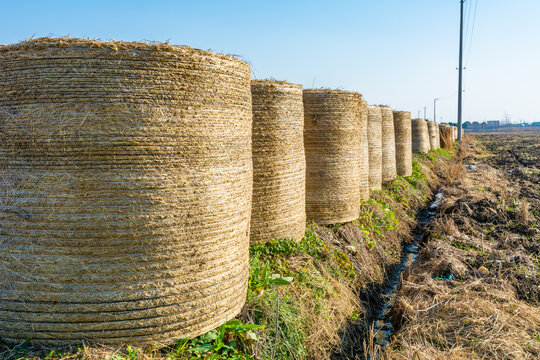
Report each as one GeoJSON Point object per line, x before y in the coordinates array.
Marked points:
{"type": "Point", "coordinates": [419, 114]}
{"type": "Point", "coordinates": [460, 81]}
{"type": "Point", "coordinates": [425, 113]}
{"type": "Point", "coordinates": [435, 109]}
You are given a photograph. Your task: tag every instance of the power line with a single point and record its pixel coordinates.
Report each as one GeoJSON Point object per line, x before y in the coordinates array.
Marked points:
{"type": "Point", "coordinates": [472, 33]}
{"type": "Point", "coordinates": [467, 18]}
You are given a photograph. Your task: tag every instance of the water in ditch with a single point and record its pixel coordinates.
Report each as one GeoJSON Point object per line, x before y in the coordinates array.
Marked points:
{"type": "Point", "coordinates": [382, 324]}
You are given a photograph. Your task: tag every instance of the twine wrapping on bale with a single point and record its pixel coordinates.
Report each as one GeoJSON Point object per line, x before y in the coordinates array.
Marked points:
{"type": "Point", "coordinates": [420, 136]}
{"type": "Point", "coordinates": [279, 165]}
{"type": "Point", "coordinates": [125, 191]}
{"type": "Point", "coordinates": [433, 132]}
{"type": "Point", "coordinates": [402, 129]}
{"type": "Point", "coordinates": [389, 171]}
{"type": "Point", "coordinates": [445, 135]}
{"type": "Point", "coordinates": [375, 147]}
{"type": "Point", "coordinates": [332, 140]}
{"type": "Point", "coordinates": [364, 155]}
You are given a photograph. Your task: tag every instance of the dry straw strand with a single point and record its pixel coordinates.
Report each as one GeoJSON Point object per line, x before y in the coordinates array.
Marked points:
{"type": "Point", "coordinates": [364, 155]}
{"type": "Point", "coordinates": [375, 147]}
{"type": "Point", "coordinates": [125, 191]}
{"type": "Point", "coordinates": [388, 145]}
{"type": "Point", "coordinates": [420, 136]}
{"type": "Point", "coordinates": [332, 140]}
{"type": "Point", "coordinates": [279, 165]}
{"type": "Point", "coordinates": [402, 129]}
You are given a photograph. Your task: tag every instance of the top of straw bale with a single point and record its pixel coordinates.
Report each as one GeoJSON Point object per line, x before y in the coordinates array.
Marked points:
{"type": "Point", "coordinates": [52, 45]}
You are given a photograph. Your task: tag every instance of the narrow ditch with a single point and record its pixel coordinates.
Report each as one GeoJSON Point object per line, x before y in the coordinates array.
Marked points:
{"type": "Point", "coordinates": [380, 320]}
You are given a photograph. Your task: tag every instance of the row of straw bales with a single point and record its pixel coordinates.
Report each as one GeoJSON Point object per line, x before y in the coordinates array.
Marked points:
{"type": "Point", "coordinates": [133, 177]}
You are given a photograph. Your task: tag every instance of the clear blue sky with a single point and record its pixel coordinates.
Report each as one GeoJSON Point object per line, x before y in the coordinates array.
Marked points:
{"type": "Point", "coordinates": [397, 52]}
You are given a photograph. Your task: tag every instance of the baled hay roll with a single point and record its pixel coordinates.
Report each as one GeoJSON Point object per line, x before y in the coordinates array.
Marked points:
{"type": "Point", "coordinates": [332, 140]}
{"type": "Point", "coordinates": [388, 145]}
{"type": "Point", "coordinates": [438, 136]}
{"type": "Point", "coordinates": [375, 147]}
{"type": "Point", "coordinates": [420, 136]}
{"type": "Point", "coordinates": [432, 131]}
{"type": "Point", "coordinates": [364, 155]}
{"type": "Point", "coordinates": [445, 136]}
{"type": "Point", "coordinates": [279, 165]}
{"type": "Point", "coordinates": [402, 129]}
{"type": "Point", "coordinates": [126, 182]}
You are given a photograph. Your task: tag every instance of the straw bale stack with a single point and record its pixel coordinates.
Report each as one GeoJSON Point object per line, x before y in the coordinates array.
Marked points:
{"type": "Point", "coordinates": [402, 129]}
{"type": "Point", "coordinates": [364, 155]}
{"type": "Point", "coordinates": [375, 147]}
{"type": "Point", "coordinates": [420, 136]}
{"type": "Point", "coordinates": [279, 165]}
{"type": "Point", "coordinates": [389, 171]}
{"type": "Point", "coordinates": [445, 135]}
{"type": "Point", "coordinates": [332, 140]}
{"type": "Point", "coordinates": [455, 133]}
{"type": "Point", "coordinates": [125, 182]}
{"type": "Point", "coordinates": [433, 132]}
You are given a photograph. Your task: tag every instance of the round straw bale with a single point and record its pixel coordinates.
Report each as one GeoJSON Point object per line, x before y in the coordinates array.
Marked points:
{"type": "Point", "coordinates": [432, 131]}
{"type": "Point", "coordinates": [389, 171]}
{"type": "Point", "coordinates": [402, 129]}
{"type": "Point", "coordinates": [375, 147]}
{"type": "Point", "coordinates": [455, 133]}
{"type": "Point", "coordinates": [420, 136]}
{"type": "Point", "coordinates": [364, 155]}
{"type": "Point", "coordinates": [125, 191]}
{"type": "Point", "coordinates": [445, 135]}
{"type": "Point", "coordinates": [332, 140]}
{"type": "Point", "coordinates": [438, 136]}
{"type": "Point", "coordinates": [279, 164]}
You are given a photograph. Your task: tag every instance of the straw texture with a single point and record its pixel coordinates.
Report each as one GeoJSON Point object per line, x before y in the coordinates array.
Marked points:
{"type": "Point", "coordinates": [455, 132]}
{"type": "Point", "coordinates": [364, 155]}
{"type": "Point", "coordinates": [375, 147]}
{"type": "Point", "coordinates": [389, 171]}
{"type": "Point", "coordinates": [279, 165]}
{"type": "Point", "coordinates": [433, 135]}
{"type": "Point", "coordinates": [332, 140]}
{"type": "Point", "coordinates": [420, 136]}
{"type": "Point", "coordinates": [125, 191]}
{"type": "Point", "coordinates": [402, 129]}
{"type": "Point", "coordinates": [445, 135]}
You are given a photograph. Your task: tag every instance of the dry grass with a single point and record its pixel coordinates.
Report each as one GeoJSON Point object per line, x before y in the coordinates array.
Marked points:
{"type": "Point", "coordinates": [472, 293]}
{"type": "Point", "coordinates": [523, 212]}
